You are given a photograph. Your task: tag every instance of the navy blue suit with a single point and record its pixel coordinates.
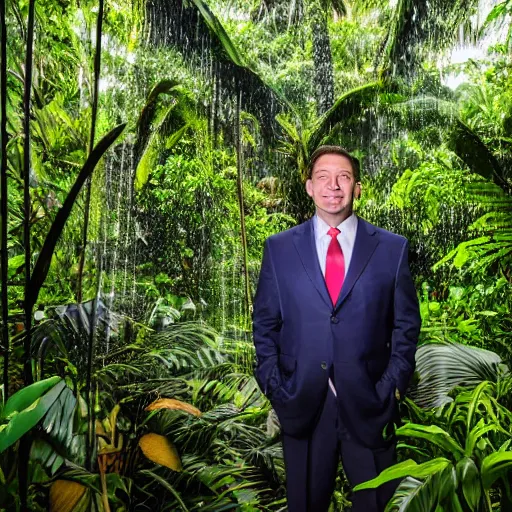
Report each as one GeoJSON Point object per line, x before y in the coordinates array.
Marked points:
{"type": "Point", "coordinates": [367, 342]}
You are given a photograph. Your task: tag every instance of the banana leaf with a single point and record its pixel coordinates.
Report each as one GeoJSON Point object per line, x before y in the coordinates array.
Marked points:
{"type": "Point", "coordinates": [474, 153]}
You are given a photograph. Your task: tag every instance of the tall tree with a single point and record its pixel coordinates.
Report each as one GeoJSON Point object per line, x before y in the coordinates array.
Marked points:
{"type": "Point", "coordinates": [418, 27]}
{"type": "Point", "coordinates": [319, 11]}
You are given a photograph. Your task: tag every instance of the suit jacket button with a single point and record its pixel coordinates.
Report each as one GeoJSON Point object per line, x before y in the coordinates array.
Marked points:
{"type": "Point", "coordinates": [334, 319]}
{"type": "Point", "coordinates": [323, 365]}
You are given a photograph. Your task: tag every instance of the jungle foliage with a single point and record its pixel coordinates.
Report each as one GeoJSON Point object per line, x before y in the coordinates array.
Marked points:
{"type": "Point", "coordinates": [181, 131]}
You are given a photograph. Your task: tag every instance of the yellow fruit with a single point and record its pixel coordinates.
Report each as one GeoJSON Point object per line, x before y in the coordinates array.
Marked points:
{"type": "Point", "coordinates": [65, 494]}
{"type": "Point", "coordinates": [160, 450]}
{"type": "Point", "coordinates": [172, 403]}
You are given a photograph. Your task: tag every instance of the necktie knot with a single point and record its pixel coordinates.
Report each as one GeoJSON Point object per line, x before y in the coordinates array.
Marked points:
{"type": "Point", "coordinates": [333, 232]}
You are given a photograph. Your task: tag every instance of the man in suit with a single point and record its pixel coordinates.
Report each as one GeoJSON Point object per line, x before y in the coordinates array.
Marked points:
{"type": "Point", "coordinates": [335, 326]}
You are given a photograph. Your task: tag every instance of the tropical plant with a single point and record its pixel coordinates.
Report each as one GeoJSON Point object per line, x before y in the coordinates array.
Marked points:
{"type": "Point", "coordinates": [492, 248]}
{"type": "Point", "coordinates": [442, 367]}
{"type": "Point", "coordinates": [26, 408]}
{"type": "Point", "coordinates": [467, 460]}
{"type": "Point", "coordinates": [125, 431]}
{"type": "Point", "coordinates": [140, 409]}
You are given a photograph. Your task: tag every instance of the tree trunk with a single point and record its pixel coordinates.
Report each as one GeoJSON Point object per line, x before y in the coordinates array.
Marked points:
{"type": "Point", "coordinates": [322, 58]}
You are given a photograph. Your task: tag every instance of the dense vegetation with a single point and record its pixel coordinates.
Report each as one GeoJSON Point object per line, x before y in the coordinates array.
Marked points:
{"type": "Point", "coordinates": [148, 149]}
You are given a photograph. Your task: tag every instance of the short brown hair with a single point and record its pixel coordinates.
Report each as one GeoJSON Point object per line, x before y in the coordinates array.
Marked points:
{"type": "Point", "coordinates": [337, 150]}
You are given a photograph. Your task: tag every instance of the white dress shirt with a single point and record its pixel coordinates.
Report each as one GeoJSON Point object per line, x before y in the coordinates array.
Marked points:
{"type": "Point", "coordinates": [346, 239]}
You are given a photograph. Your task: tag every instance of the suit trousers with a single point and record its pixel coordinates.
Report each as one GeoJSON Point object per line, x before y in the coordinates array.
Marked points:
{"type": "Point", "coordinates": [312, 463]}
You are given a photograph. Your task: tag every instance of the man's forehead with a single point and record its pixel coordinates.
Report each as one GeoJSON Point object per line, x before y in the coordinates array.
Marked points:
{"type": "Point", "coordinates": [333, 166]}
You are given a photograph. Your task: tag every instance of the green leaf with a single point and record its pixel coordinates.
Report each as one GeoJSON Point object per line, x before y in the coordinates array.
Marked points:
{"type": "Point", "coordinates": [15, 265]}
{"type": "Point", "coordinates": [148, 158]}
{"type": "Point", "coordinates": [433, 434]}
{"type": "Point", "coordinates": [476, 155]}
{"type": "Point", "coordinates": [475, 400]}
{"type": "Point", "coordinates": [475, 434]}
{"type": "Point", "coordinates": [495, 466]}
{"type": "Point", "coordinates": [447, 483]}
{"type": "Point", "coordinates": [407, 468]}
{"type": "Point", "coordinates": [415, 495]}
{"type": "Point", "coordinates": [28, 418]}
{"type": "Point", "coordinates": [27, 396]}
{"type": "Point", "coordinates": [469, 478]}
{"type": "Point", "coordinates": [497, 11]}
{"type": "Point", "coordinates": [115, 482]}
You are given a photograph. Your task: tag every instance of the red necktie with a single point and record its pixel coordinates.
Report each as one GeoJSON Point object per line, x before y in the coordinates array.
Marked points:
{"type": "Point", "coordinates": [334, 266]}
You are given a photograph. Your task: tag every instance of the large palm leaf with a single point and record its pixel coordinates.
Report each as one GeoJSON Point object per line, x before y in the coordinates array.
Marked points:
{"type": "Point", "coordinates": [192, 28]}
{"type": "Point", "coordinates": [418, 26]}
{"type": "Point", "coordinates": [441, 367]}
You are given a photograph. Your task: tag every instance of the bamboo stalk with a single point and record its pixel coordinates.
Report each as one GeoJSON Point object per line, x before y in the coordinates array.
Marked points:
{"type": "Point", "coordinates": [240, 190]}
{"type": "Point", "coordinates": [26, 188]}
{"type": "Point", "coordinates": [4, 261]}
{"type": "Point", "coordinates": [94, 114]}
{"type": "Point", "coordinates": [24, 448]}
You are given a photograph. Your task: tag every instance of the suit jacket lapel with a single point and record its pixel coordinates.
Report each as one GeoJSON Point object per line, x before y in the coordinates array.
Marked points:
{"type": "Point", "coordinates": [304, 239]}
{"type": "Point", "coordinates": [364, 246]}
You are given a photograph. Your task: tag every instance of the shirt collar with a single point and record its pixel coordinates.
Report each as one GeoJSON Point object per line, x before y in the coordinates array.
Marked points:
{"type": "Point", "coordinates": [349, 225]}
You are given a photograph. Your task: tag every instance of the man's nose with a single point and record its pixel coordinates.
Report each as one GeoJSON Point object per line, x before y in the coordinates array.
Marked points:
{"type": "Point", "coordinates": [333, 183]}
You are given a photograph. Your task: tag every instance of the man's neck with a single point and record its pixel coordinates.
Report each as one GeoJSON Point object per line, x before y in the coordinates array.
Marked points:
{"type": "Point", "coordinates": [334, 220]}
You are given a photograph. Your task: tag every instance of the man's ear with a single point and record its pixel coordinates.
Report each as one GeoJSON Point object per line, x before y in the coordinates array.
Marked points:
{"type": "Point", "coordinates": [357, 190]}
{"type": "Point", "coordinates": [309, 188]}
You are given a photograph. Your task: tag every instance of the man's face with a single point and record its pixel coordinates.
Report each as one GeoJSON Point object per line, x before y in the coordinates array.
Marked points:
{"type": "Point", "coordinates": [333, 187]}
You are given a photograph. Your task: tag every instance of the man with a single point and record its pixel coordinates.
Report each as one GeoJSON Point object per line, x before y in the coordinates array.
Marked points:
{"type": "Point", "coordinates": [336, 323]}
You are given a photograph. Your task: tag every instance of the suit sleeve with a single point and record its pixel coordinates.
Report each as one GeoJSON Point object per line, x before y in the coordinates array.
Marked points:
{"type": "Point", "coordinates": [267, 321]}
{"type": "Point", "coordinates": [406, 326]}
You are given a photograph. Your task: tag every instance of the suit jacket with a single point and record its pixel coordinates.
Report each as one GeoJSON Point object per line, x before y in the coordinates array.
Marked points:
{"type": "Point", "coordinates": [368, 338]}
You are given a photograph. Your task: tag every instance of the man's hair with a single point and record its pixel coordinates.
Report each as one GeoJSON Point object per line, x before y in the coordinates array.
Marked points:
{"type": "Point", "coordinates": [337, 150]}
